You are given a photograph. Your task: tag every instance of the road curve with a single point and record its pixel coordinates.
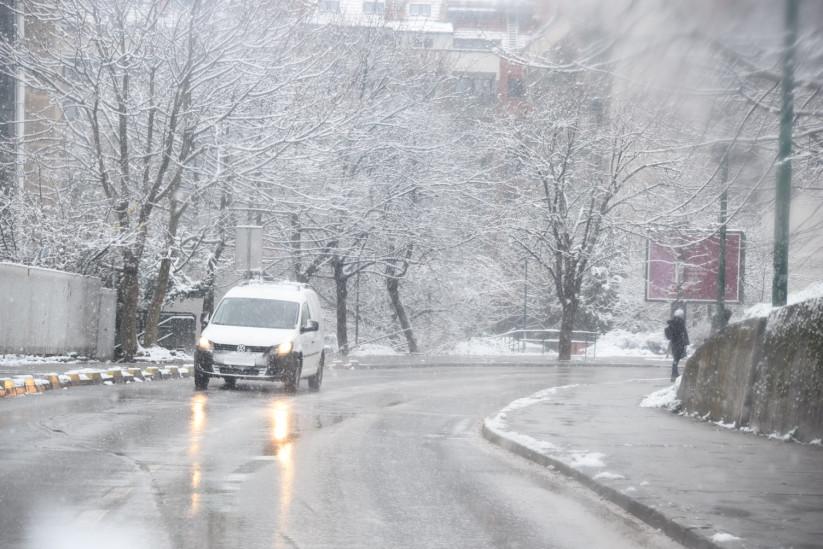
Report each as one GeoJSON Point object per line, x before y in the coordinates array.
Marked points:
{"type": "Point", "coordinates": [379, 458]}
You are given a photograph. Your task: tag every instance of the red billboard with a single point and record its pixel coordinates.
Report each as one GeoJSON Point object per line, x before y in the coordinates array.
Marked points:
{"type": "Point", "coordinates": [686, 269]}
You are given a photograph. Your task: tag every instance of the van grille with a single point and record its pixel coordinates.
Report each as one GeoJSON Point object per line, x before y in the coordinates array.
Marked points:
{"type": "Point", "coordinates": [233, 348]}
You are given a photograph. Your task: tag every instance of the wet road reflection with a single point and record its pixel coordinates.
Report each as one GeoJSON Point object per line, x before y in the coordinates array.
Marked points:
{"type": "Point", "coordinates": [281, 446]}
{"type": "Point", "coordinates": [196, 427]}
{"type": "Point", "coordinates": [384, 459]}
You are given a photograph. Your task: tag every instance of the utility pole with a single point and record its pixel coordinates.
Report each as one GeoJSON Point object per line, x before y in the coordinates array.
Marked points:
{"type": "Point", "coordinates": [783, 194]}
{"type": "Point", "coordinates": [720, 313]}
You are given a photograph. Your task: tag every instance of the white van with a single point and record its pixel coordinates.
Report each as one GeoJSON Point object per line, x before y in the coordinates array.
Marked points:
{"type": "Point", "coordinates": [264, 332]}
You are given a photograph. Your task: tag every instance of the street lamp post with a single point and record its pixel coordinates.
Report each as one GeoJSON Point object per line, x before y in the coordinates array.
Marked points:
{"type": "Point", "coordinates": [784, 165]}
{"type": "Point", "coordinates": [720, 314]}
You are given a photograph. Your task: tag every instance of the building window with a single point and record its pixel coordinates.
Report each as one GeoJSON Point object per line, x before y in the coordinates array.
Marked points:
{"type": "Point", "coordinates": [420, 10]}
{"type": "Point", "coordinates": [476, 84]}
{"type": "Point", "coordinates": [374, 8]}
{"type": "Point", "coordinates": [328, 6]}
{"type": "Point", "coordinates": [424, 42]}
{"type": "Point", "coordinates": [475, 44]}
{"type": "Point", "coordinates": [516, 88]}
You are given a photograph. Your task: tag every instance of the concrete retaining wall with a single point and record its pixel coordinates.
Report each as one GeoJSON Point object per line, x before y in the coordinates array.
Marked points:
{"type": "Point", "coordinates": [46, 312]}
{"type": "Point", "coordinates": [766, 374]}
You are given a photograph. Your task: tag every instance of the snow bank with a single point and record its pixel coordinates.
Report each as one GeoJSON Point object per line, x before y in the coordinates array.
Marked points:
{"type": "Point", "coordinates": [580, 460]}
{"type": "Point", "coordinates": [664, 398]}
{"type": "Point", "coordinates": [621, 343]}
{"type": "Point", "coordinates": [495, 346]}
{"type": "Point", "coordinates": [607, 475]}
{"type": "Point", "coordinates": [23, 360]}
{"type": "Point", "coordinates": [721, 537]}
{"type": "Point", "coordinates": [576, 459]}
{"type": "Point", "coordinates": [159, 354]}
{"type": "Point", "coordinates": [500, 419]}
{"type": "Point", "coordinates": [760, 310]}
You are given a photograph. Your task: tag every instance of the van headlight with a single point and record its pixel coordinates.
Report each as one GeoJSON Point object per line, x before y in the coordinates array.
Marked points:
{"type": "Point", "coordinates": [284, 348]}
{"type": "Point", "coordinates": [204, 344]}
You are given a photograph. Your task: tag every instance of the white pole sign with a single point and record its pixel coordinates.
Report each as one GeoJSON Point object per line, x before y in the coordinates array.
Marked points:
{"type": "Point", "coordinates": [248, 250]}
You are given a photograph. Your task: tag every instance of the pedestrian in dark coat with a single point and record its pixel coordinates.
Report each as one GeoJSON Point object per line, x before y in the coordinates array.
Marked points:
{"type": "Point", "coordinates": [679, 337]}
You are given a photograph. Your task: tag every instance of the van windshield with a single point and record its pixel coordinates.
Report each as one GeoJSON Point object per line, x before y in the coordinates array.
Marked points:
{"type": "Point", "coordinates": [256, 313]}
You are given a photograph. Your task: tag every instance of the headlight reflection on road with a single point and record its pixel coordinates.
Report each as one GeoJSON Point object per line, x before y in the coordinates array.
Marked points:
{"type": "Point", "coordinates": [196, 427]}
{"type": "Point", "coordinates": [280, 423]}
{"type": "Point", "coordinates": [282, 447]}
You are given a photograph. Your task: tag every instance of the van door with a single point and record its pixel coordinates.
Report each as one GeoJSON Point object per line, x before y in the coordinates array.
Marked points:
{"type": "Point", "coordinates": [311, 342]}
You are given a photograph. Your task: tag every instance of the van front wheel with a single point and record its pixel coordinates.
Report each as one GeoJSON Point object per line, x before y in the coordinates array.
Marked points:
{"type": "Point", "coordinates": [292, 380]}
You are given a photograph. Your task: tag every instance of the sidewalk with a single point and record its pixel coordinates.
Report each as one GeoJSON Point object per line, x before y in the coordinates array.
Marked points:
{"type": "Point", "coordinates": [703, 484]}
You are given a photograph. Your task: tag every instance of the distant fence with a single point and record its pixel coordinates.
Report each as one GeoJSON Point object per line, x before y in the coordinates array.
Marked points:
{"type": "Point", "coordinates": [175, 330]}
{"type": "Point", "coordinates": [583, 343]}
{"type": "Point", "coordinates": [47, 312]}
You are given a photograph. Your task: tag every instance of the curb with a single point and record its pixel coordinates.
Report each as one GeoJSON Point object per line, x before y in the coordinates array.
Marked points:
{"type": "Point", "coordinates": [355, 364]}
{"type": "Point", "coordinates": [681, 534]}
{"type": "Point", "coordinates": [38, 383]}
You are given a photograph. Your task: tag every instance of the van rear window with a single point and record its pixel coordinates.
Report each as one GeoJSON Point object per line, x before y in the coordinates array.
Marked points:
{"type": "Point", "coordinates": [256, 313]}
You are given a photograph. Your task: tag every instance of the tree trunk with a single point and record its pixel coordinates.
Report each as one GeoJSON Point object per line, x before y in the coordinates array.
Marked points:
{"type": "Point", "coordinates": [564, 348]}
{"type": "Point", "coordinates": [342, 294]}
{"type": "Point", "coordinates": [129, 297]}
{"type": "Point", "coordinates": [211, 265]}
{"type": "Point", "coordinates": [296, 246]}
{"type": "Point", "coordinates": [208, 294]}
{"type": "Point", "coordinates": [151, 332]}
{"type": "Point", "coordinates": [393, 287]}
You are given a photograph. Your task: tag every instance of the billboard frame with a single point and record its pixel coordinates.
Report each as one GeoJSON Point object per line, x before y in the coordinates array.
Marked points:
{"type": "Point", "coordinates": [741, 264]}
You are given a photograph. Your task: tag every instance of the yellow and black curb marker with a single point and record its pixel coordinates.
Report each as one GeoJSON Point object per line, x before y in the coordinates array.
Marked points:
{"type": "Point", "coordinates": [38, 383]}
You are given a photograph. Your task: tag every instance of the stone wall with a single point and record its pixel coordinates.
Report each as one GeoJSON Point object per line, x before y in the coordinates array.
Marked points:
{"type": "Point", "coordinates": [766, 374]}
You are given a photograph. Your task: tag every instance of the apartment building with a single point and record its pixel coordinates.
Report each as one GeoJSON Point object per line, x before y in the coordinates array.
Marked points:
{"type": "Point", "coordinates": [478, 34]}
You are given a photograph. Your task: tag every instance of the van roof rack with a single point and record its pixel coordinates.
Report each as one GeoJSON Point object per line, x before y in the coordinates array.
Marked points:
{"type": "Point", "coordinates": [267, 279]}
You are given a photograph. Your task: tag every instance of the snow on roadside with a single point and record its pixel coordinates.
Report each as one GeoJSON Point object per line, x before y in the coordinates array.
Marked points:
{"type": "Point", "coordinates": [150, 354]}
{"type": "Point", "coordinates": [580, 460]}
{"type": "Point", "coordinates": [25, 360]}
{"type": "Point", "coordinates": [667, 398]}
{"type": "Point", "coordinates": [495, 346]}
{"type": "Point", "coordinates": [663, 398]}
{"type": "Point", "coordinates": [576, 459]}
{"type": "Point", "coordinates": [617, 343]}
{"type": "Point", "coordinates": [622, 343]}
{"type": "Point", "coordinates": [499, 420]}
{"type": "Point", "coordinates": [607, 475]}
{"type": "Point", "coordinates": [722, 537]}
{"type": "Point", "coordinates": [159, 354]}
{"type": "Point", "coordinates": [759, 310]}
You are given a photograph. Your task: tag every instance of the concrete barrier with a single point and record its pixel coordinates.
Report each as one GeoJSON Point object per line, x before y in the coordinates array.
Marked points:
{"type": "Point", "coordinates": [765, 374]}
{"type": "Point", "coordinates": [47, 312]}
{"type": "Point", "coordinates": [788, 382]}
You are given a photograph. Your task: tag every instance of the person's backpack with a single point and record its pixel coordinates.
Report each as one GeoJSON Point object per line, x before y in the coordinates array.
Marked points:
{"type": "Point", "coordinates": [668, 332]}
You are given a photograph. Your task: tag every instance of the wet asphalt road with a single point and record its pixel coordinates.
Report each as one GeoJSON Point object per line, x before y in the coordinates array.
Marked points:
{"type": "Point", "coordinates": [379, 458]}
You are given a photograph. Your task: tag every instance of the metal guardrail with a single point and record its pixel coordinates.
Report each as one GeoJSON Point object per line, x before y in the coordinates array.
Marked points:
{"type": "Point", "coordinates": [517, 340]}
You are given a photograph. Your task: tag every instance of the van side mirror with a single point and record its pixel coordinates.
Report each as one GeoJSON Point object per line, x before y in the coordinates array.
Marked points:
{"type": "Point", "coordinates": [311, 326]}
{"type": "Point", "coordinates": [204, 320]}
